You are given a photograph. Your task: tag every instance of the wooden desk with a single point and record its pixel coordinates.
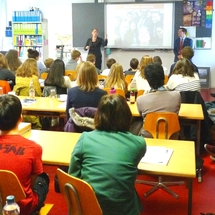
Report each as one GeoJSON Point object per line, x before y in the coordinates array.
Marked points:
{"type": "Point", "coordinates": [58, 146]}
{"type": "Point", "coordinates": [188, 113]}
{"type": "Point", "coordinates": [181, 163]}
{"type": "Point", "coordinates": [24, 127]}
{"type": "Point", "coordinates": [44, 106]}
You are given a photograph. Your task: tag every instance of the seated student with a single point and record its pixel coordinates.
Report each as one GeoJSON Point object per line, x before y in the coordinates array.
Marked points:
{"type": "Point", "coordinates": [109, 63]}
{"type": "Point", "coordinates": [56, 77]}
{"type": "Point", "coordinates": [133, 67]}
{"type": "Point", "coordinates": [24, 158]}
{"type": "Point", "coordinates": [188, 53]}
{"type": "Point", "coordinates": [72, 63]}
{"type": "Point", "coordinates": [107, 158]}
{"type": "Point", "coordinates": [5, 73]}
{"type": "Point", "coordinates": [86, 93]}
{"type": "Point", "coordinates": [116, 78]}
{"type": "Point", "coordinates": [36, 55]}
{"type": "Point", "coordinates": [92, 58]}
{"type": "Point", "coordinates": [26, 74]}
{"type": "Point", "coordinates": [158, 99]}
{"type": "Point", "coordinates": [13, 60]}
{"type": "Point", "coordinates": [139, 82]}
{"type": "Point", "coordinates": [48, 63]}
{"type": "Point", "coordinates": [184, 77]}
{"type": "Point", "coordinates": [157, 59]}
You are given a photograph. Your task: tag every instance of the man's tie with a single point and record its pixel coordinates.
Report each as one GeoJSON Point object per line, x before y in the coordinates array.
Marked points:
{"type": "Point", "coordinates": [181, 45]}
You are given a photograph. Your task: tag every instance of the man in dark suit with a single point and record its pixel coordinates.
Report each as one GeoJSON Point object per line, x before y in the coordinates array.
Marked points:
{"type": "Point", "coordinates": [181, 42]}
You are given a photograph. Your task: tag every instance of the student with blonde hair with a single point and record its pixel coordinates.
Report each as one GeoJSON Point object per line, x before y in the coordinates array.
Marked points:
{"type": "Point", "coordinates": [139, 81]}
{"type": "Point", "coordinates": [26, 73]}
{"type": "Point", "coordinates": [48, 63]}
{"type": "Point", "coordinates": [86, 93]}
{"type": "Point", "coordinates": [116, 78]}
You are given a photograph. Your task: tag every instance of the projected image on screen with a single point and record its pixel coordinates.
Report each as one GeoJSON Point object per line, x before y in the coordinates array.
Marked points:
{"type": "Point", "coordinates": [140, 25]}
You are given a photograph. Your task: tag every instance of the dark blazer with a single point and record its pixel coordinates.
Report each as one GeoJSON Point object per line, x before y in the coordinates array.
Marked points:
{"type": "Point", "coordinates": [187, 42]}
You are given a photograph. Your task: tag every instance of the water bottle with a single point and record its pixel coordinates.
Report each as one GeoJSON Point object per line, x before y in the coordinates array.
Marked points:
{"type": "Point", "coordinates": [11, 207]}
{"type": "Point", "coordinates": [112, 90]}
{"type": "Point", "coordinates": [132, 96]}
{"type": "Point", "coordinates": [31, 90]}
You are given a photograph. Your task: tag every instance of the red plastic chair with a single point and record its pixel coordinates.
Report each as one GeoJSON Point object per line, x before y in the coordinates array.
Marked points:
{"type": "Point", "coordinates": [6, 87]}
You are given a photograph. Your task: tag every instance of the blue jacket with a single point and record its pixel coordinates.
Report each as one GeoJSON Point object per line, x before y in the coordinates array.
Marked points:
{"type": "Point", "coordinates": [187, 42]}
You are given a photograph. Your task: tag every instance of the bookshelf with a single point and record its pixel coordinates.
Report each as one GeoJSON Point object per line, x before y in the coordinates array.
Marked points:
{"type": "Point", "coordinates": [29, 30]}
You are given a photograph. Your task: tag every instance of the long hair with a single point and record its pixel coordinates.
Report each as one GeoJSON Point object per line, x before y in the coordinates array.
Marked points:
{"type": "Point", "coordinates": [184, 67]}
{"type": "Point", "coordinates": [87, 78]}
{"type": "Point", "coordinates": [13, 59]}
{"type": "Point", "coordinates": [56, 74]}
{"type": "Point", "coordinates": [116, 77]}
{"type": "Point", "coordinates": [3, 62]}
{"type": "Point", "coordinates": [28, 68]}
{"type": "Point", "coordinates": [113, 114]}
{"type": "Point", "coordinates": [145, 60]}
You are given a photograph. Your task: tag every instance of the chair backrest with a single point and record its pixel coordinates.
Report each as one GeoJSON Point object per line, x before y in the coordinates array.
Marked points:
{"type": "Point", "coordinates": [5, 86]}
{"type": "Point", "coordinates": [44, 75]}
{"type": "Point", "coordinates": [161, 124]}
{"type": "Point", "coordinates": [140, 92]}
{"type": "Point", "coordinates": [80, 197]}
{"type": "Point", "coordinates": [166, 78]}
{"type": "Point", "coordinates": [71, 73]}
{"type": "Point", "coordinates": [118, 91]}
{"type": "Point", "coordinates": [128, 78]}
{"type": "Point", "coordinates": [10, 185]}
{"type": "Point", "coordinates": [102, 77]}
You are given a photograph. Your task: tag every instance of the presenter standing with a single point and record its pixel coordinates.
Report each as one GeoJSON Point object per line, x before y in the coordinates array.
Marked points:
{"type": "Point", "coordinates": [181, 42]}
{"type": "Point", "coordinates": [93, 45]}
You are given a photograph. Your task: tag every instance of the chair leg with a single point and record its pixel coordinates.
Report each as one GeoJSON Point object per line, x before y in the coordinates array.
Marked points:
{"type": "Point", "coordinates": [199, 173]}
{"type": "Point", "coordinates": [160, 184]}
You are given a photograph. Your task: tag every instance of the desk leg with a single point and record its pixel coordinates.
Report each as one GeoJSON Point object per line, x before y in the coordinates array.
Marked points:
{"type": "Point", "coordinates": [190, 193]}
{"type": "Point", "coordinates": [198, 140]}
{"type": "Point", "coordinates": [61, 123]}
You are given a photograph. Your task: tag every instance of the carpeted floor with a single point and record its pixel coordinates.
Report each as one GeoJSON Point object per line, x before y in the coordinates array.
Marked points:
{"type": "Point", "coordinates": [160, 202]}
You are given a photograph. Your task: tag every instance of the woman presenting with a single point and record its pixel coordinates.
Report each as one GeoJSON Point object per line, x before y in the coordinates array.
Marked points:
{"type": "Point", "coordinates": [93, 45]}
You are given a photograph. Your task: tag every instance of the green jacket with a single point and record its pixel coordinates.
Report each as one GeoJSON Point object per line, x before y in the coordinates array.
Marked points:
{"type": "Point", "coordinates": [108, 162]}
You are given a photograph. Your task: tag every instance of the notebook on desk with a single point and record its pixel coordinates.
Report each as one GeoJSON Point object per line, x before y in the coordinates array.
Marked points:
{"type": "Point", "coordinates": [157, 155]}
{"type": "Point", "coordinates": [24, 127]}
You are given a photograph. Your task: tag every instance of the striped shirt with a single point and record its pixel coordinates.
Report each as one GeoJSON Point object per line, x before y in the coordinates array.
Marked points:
{"type": "Point", "coordinates": [184, 83]}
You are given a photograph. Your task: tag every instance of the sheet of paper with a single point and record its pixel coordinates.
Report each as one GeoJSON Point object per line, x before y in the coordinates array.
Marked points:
{"type": "Point", "coordinates": [27, 101]}
{"type": "Point", "coordinates": [157, 155]}
{"type": "Point", "coordinates": [62, 105]}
